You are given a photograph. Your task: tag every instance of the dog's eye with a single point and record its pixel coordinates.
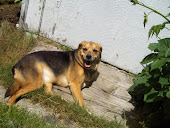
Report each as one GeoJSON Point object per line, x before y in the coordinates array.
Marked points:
{"type": "Point", "coordinates": [94, 50]}
{"type": "Point", "coordinates": [84, 49]}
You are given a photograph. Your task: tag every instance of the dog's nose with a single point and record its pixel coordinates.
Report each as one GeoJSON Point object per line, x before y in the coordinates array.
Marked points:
{"type": "Point", "coordinates": [88, 56]}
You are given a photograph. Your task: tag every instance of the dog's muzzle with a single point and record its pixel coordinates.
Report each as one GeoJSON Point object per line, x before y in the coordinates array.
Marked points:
{"type": "Point", "coordinates": [88, 60]}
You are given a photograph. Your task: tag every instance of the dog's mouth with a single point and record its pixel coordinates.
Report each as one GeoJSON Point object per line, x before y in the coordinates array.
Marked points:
{"type": "Point", "coordinates": [87, 64]}
{"type": "Point", "coordinates": [88, 60]}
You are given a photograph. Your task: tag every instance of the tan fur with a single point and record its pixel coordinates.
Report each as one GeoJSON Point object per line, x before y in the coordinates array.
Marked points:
{"type": "Point", "coordinates": [73, 77]}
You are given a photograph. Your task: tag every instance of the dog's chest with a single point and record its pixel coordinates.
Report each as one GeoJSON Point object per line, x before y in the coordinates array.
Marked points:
{"type": "Point", "coordinates": [89, 75]}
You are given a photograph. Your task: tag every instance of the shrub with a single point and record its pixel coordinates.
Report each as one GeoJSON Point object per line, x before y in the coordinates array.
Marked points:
{"type": "Point", "coordinates": [151, 88]}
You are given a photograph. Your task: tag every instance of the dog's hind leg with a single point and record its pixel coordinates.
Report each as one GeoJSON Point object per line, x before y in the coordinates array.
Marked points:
{"type": "Point", "coordinates": [28, 85]}
{"type": "Point", "coordinates": [20, 92]}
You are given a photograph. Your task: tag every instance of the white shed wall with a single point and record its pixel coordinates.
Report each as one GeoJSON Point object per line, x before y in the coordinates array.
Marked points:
{"type": "Point", "coordinates": [116, 24]}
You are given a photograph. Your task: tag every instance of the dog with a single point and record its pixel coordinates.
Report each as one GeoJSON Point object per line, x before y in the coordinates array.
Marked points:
{"type": "Point", "coordinates": [67, 69]}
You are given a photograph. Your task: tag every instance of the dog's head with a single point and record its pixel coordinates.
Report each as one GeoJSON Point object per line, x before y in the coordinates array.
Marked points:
{"type": "Point", "coordinates": [89, 53]}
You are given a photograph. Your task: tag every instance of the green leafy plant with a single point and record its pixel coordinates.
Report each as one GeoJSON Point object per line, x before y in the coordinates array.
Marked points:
{"type": "Point", "coordinates": [155, 76]}
{"type": "Point", "coordinates": [151, 88]}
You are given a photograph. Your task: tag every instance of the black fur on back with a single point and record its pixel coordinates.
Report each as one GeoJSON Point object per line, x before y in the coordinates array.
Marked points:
{"type": "Point", "coordinates": [58, 61]}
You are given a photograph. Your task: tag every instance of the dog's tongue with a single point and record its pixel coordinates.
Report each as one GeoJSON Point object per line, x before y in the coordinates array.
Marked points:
{"type": "Point", "coordinates": [87, 66]}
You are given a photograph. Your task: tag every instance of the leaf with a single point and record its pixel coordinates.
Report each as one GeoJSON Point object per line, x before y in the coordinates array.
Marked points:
{"type": "Point", "coordinates": [132, 88]}
{"type": "Point", "coordinates": [167, 53]}
{"type": "Point", "coordinates": [153, 96]}
{"type": "Point", "coordinates": [163, 81]}
{"type": "Point", "coordinates": [137, 90]}
{"type": "Point", "coordinates": [145, 19]}
{"type": "Point", "coordinates": [160, 96]}
{"type": "Point", "coordinates": [167, 60]}
{"type": "Point", "coordinates": [161, 54]}
{"type": "Point", "coordinates": [141, 79]}
{"type": "Point", "coordinates": [149, 58]}
{"type": "Point", "coordinates": [157, 64]}
{"type": "Point", "coordinates": [139, 84]}
{"type": "Point", "coordinates": [151, 31]}
{"type": "Point", "coordinates": [150, 96]}
{"type": "Point", "coordinates": [163, 25]}
{"type": "Point", "coordinates": [153, 46]}
{"type": "Point", "coordinates": [147, 84]}
{"type": "Point", "coordinates": [155, 74]}
{"type": "Point", "coordinates": [156, 29]}
{"type": "Point", "coordinates": [146, 69]}
{"type": "Point", "coordinates": [134, 2]}
{"type": "Point", "coordinates": [163, 44]}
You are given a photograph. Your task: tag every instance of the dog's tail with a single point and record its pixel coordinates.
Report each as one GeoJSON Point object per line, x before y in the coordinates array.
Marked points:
{"type": "Point", "coordinates": [14, 87]}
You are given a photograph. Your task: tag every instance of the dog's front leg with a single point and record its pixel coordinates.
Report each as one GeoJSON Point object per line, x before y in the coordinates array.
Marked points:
{"type": "Point", "coordinates": [76, 92]}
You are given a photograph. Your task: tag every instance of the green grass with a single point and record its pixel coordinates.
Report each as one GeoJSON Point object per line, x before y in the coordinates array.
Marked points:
{"type": "Point", "coordinates": [13, 117]}
{"type": "Point", "coordinates": [14, 45]}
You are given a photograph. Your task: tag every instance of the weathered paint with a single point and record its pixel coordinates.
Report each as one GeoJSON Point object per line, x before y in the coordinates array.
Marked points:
{"type": "Point", "coordinates": [116, 24]}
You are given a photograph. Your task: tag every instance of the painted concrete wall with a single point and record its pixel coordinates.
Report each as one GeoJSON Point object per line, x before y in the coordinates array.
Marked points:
{"type": "Point", "coordinates": [116, 24]}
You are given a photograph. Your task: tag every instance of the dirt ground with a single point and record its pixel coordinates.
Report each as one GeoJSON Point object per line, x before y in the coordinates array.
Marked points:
{"type": "Point", "coordinates": [10, 12]}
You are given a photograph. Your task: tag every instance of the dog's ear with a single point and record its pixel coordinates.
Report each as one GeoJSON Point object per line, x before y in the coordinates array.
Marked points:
{"type": "Point", "coordinates": [81, 44]}
{"type": "Point", "coordinates": [99, 45]}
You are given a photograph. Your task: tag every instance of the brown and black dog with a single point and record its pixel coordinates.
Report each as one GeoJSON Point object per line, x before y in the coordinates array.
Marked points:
{"type": "Point", "coordinates": [71, 68]}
